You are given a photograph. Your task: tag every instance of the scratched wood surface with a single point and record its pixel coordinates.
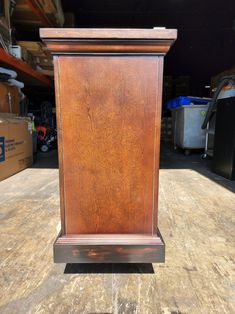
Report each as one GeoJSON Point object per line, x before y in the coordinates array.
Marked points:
{"type": "Point", "coordinates": [110, 122]}
{"type": "Point", "coordinates": [196, 220]}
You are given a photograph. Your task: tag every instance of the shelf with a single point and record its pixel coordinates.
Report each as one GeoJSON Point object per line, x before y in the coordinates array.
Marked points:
{"type": "Point", "coordinates": [36, 10]}
{"type": "Point", "coordinates": [29, 15]}
{"type": "Point", "coordinates": [25, 72]}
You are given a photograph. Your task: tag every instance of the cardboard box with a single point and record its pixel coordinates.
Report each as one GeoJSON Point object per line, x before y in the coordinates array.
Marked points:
{"type": "Point", "coordinates": [16, 151]}
{"type": "Point", "coordinates": [9, 99]}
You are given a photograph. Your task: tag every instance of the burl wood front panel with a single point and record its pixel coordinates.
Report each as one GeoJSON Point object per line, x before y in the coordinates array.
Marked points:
{"type": "Point", "coordinates": [109, 110]}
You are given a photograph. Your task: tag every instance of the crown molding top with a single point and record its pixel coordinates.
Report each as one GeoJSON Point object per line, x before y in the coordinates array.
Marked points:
{"type": "Point", "coordinates": [88, 40]}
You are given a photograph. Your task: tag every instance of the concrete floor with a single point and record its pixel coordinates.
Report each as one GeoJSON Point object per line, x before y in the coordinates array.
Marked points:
{"type": "Point", "coordinates": [196, 220]}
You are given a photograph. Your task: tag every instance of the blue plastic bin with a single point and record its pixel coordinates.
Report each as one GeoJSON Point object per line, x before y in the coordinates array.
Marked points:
{"type": "Point", "coordinates": [185, 101]}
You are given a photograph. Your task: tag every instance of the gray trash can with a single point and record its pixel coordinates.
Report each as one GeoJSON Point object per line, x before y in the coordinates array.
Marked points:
{"type": "Point", "coordinates": [187, 131]}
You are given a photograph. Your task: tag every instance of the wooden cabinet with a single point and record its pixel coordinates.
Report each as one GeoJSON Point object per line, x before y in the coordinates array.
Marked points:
{"type": "Point", "coordinates": [108, 94]}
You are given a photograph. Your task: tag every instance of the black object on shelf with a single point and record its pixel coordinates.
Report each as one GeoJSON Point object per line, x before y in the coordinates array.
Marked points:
{"type": "Point", "coordinates": [224, 145]}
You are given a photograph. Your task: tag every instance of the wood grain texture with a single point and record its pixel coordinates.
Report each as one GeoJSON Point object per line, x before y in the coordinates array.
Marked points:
{"type": "Point", "coordinates": [109, 90]}
{"type": "Point", "coordinates": [109, 158]}
{"type": "Point", "coordinates": [108, 33]}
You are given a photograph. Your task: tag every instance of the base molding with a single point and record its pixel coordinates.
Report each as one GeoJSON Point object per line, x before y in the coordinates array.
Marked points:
{"type": "Point", "coordinates": [109, 248]}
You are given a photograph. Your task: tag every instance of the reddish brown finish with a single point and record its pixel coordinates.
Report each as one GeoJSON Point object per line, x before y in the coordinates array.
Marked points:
{"type": "Point", "coordinates": [108, 116]}
{"type": "Point", "coordinates": [108, 142]}
{"type": "Point", "coordinates": [105, 47]}
{"type": "Point", "coordinates": [62, 41]}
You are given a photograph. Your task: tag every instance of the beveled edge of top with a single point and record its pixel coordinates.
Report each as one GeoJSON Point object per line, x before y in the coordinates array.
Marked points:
{"type": "Point", "coordinates": [108, 33]}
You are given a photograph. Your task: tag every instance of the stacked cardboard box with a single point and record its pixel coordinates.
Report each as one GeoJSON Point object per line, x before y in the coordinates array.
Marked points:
{"type": "Point", "coordinates": [15, 133]}
{"type": "Point", "coordinates": [16, 151]}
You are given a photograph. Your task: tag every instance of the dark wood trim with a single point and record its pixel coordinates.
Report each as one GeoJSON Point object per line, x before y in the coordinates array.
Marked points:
{"type": "Point", "coordinates": [109, 248]}
{"type": "Point", "coordinates": [108, 40]}
{"type": "Point", "coordinates": [102, 47]}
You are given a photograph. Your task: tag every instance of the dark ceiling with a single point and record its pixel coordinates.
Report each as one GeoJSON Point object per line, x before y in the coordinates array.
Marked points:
{"type": "Point", "coordinates": [206, 30]}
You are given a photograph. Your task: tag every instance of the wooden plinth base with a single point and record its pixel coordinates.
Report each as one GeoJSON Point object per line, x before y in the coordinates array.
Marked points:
{"type": "Point", "coordinates": [109, 248]}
